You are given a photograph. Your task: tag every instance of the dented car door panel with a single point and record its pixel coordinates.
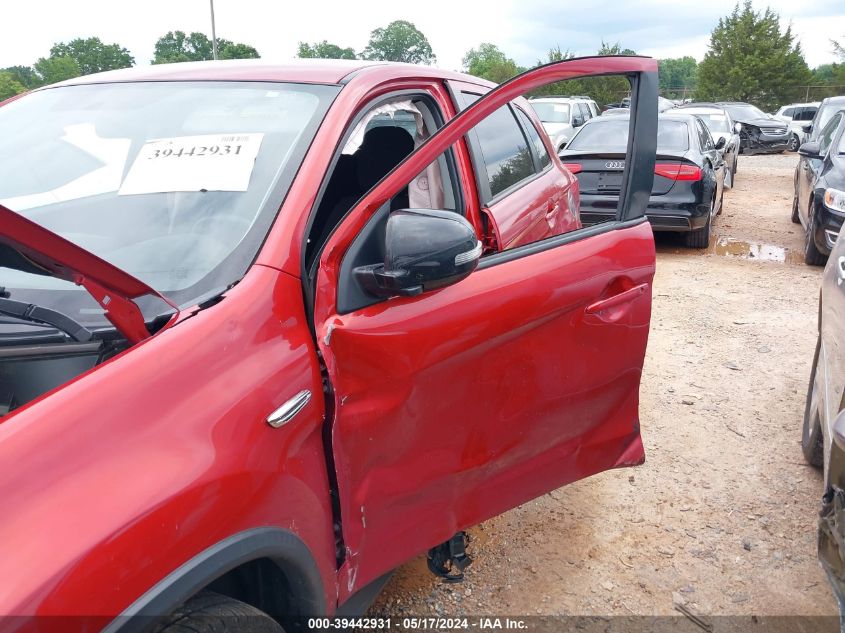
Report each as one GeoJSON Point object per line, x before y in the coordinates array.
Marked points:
{"type": "Point", "coordinates": [455, 405]}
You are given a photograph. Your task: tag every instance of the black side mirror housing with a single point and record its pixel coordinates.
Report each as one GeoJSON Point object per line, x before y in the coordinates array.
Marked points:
{"type": "Point", "coordinates": [810, 150]}
{"type": "Point", "coordinates": [720, 143]}
{"type": "Point", "coordinates": [425, 249]}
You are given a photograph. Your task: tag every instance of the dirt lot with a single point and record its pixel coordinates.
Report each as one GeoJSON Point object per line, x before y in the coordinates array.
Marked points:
{"type": "Point", "coordinates": [722, 515]}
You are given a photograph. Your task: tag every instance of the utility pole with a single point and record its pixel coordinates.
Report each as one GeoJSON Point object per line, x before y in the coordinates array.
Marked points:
{"type": "Point", "coordinates": [213, 32]}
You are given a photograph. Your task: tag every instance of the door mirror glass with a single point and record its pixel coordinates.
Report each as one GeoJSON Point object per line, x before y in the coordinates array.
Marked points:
{"type": "Point", "coordinates": [811, 150]}
{"type": "Point", "coordinates": [720, 143]}
{"type": "Point", "coordinates": [737, 127]}
{"type": "Point", "coordinates": [425, 249]}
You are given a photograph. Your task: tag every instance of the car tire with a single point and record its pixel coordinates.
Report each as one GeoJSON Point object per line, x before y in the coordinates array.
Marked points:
{"type": "Point", "coordinates": [700, 238]}
{"type": "Point", "coordinates": [795, 218]}
{"type": "Point", "coordinates": [812, 255]}
{"type": "Point", "coordinates": [812, 442]}
{"type": "Point", "coordinates": [793, 144]}
{"type": "Point", "coordinates": [210, 612]}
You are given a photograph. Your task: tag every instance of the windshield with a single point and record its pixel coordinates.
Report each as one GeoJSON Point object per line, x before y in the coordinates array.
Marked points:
{"type": "Point", "coordinates": [611, 135]}
{"type": "Point", "coordinates": [552, 112]}
{"type": "Point", "coordinates": [826, 114]}
{"type": "Point", "coordinates": [175, 183]}
{"type": "Point", "coordinates": [714, 122]}
{"type": "Point", "coordinates": [745, 112]}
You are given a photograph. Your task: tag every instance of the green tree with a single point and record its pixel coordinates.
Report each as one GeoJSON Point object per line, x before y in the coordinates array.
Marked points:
{"type": "Point", "coordinates": [489, 62]}
{"type": "Point", "coordinates": [399, 41]}
{"type": "Point", "coordinates": [177, 46]}
{"type": "Point", "coordinates": [92, 55]}
{"type": "Point", "coordinates": [9, 86]}
{"type": "Point", "coordinates": [838, 50]}
{"type": "Point", "coordinates": [55, 69]}
{"type": "Point", "coordinates": [751, 59]}
{"type": "Point", "coordinates": [324, 50]}
{"type": "Point", "coordinates": [24, 75]}
{"type": "Point", "coordinates": [233, 50]}
{"type": "Point", "coordinates": [677, 76]}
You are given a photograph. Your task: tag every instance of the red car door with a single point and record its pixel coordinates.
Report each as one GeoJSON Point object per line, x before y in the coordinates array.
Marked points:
{"type": "Point", "coordinates": [455, 405]}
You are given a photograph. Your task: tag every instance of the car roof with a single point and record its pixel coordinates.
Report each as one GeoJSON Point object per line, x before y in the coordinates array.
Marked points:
{"type": "Point", "coordinates": [315, 71]}
{"type": "Point", "coordinates": [834, 100]}
{"type": "Point", "coordinates": [796, 105]}
{"type": "Point", "coordinates": [701, 109]}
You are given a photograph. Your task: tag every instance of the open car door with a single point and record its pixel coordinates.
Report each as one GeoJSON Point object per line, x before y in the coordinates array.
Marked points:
{"type": "Point", "coordinates": [456, 404]}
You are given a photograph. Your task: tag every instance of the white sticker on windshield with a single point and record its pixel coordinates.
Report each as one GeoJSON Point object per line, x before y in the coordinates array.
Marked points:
{"type": "Point", "coordinates": [211, 162]}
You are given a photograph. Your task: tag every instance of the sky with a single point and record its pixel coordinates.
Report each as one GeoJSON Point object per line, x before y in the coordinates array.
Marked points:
{"type": "Point", "coordinates": [524, 29]}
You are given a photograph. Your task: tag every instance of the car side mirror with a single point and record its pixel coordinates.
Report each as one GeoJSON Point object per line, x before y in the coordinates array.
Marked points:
{"type": "Point", "coordinates": [720, 143]}
{"type": "Point", "coordinates": [737, 127]}
{"type": "Point", "coordinates": [425, 249]}
{"type": "Point", "coordinates": [807, 127]}
{"type": "Point", "coordinates": [577, 121]}
{"type": "Point", "coordinates": [810, 150]}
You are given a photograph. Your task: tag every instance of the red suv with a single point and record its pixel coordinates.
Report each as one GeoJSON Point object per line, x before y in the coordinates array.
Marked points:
{"type": "Point", "coordinates": [266, 332]}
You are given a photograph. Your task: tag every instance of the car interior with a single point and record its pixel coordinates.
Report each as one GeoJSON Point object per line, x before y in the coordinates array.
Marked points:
{"type": "Point", "coordinates": [378, 142]}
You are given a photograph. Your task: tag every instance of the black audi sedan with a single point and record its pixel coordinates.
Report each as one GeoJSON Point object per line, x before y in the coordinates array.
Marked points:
{"type": "Point", "coordinates": [761, 133]}
{"type": "Point", "coordinates": [689, 173]}
{"type": "Point", "coordinates": [823, 435]}
{"type": "Point", "coordinates": [819, 199]}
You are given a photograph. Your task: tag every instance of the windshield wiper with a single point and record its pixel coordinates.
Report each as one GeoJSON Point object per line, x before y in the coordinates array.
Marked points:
{"type": "Point", "coordinates": [38, 314]}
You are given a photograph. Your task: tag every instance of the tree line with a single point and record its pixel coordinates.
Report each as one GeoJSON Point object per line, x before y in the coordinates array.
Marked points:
{"type": "Point", "coordinates": [749, 58]}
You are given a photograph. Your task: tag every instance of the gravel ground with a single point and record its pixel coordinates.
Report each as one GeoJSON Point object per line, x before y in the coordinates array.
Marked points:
{"type": "Point", "coordinates": [722, 515]}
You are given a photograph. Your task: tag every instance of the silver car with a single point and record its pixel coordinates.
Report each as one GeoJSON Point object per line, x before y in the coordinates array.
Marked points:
{"type": "Point", "coordinates": [797, 115]}
{"type": "Point", "coordinates": [721, 125]}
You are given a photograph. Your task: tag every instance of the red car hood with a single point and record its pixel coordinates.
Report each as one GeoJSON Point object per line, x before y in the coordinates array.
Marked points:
{"type": "Point", "coordinates": [31, 248]}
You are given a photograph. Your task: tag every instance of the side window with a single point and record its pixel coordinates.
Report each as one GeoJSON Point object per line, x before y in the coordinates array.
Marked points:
{"type": "Point", "coordinates": [536, 141]}
{"type": "Point", "coordinates": [789, 112]}
{"type": "Point", "coordinates": [504, 148]}
{"type": "Point", "coordinates": [806, 114]}
{"type": "Point", "coordinates": [827, 134]}
{"type": "Point", "coordinates": [703, 135]}
{"type": "Point", "coordinates": [585, 112]}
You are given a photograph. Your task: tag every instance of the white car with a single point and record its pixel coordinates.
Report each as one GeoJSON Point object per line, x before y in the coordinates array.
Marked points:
{"type": "Point", "coordinates": [797, 115]}
{"type": "Point", "coordinates": [561, 116]}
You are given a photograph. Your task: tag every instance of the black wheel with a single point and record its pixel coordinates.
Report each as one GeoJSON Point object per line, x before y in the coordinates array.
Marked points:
{"type": "Point", "coordinates": [212, 613]}
{"type": "Point", "coordinates": [811, 435]}
{"type": "Point", "coordinates": [812, 255]}
{"type": "Point", "coordinates": [793, 144]}
{"type": "Point", "coordinates": [700, 238]}
{"type": "Point", "coordinates": [795, 217]}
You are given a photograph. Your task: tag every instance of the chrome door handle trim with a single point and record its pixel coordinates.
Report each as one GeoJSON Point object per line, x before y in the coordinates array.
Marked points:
{"type": "Point", "coordinates": [289, 409]}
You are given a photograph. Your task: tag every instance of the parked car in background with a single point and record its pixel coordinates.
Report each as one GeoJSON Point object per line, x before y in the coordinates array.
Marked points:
{"type": "Point", "coordinates": [719, 122]}
{"type": "Point", "coordinates": [761, 133]}
{"type": "Point", "coordinates": [796, 116]}
{"type": "Point", "coordinates": [561, 116]}
{"type": "Point", "coordinates": [243, 317]}
{"type": "Point", "coordinates": [688, 181]}
{"type": "Point", "coordinates": [663, 104]}
{"type": "Point", "coordinates": [612, 111]}
{"type": "Point", "coordinates": [827, 109]}
{"type": "Point", "coordinates": [819, 184]}
{"type": "Point", "coordinates": [823, 433]}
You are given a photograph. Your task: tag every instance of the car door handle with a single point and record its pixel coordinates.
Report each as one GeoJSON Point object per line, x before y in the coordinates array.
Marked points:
{"type": "Point", "coordinates": [289, 409]}
{"type": "Point", "coordinates": [616, 300]}
{"type": "Point", "coordinates": [551, 209]}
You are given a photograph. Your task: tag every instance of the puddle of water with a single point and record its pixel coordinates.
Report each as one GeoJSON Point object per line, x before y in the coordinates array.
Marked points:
{"type": "Point", "coordinates": [756, 252]}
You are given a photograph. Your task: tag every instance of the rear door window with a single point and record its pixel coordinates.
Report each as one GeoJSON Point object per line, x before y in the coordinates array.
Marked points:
{"type": "Point", "coordinates": [504, 148]}
{"type": "Point", "coordinates": [539, 147]}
